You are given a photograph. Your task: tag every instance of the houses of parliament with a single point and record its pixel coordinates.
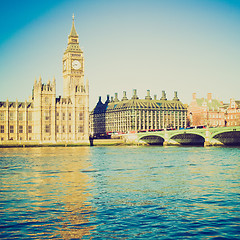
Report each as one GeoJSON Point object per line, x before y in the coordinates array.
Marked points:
{"type": "Point", "coordinates": [47, 118]}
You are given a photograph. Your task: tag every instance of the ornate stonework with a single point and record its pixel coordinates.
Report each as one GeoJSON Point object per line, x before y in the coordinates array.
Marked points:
{"type": "Point", "coordinates": [46, 118]}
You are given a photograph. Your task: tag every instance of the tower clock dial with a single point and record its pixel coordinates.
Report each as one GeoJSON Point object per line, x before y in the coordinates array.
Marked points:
{"type": "Point", "coordinates": [76, 64]}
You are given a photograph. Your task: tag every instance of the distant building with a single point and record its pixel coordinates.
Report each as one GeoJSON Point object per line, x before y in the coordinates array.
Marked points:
{"type": "Point", "coordinates": [206, 111]}
{"type": "Point", "coordinates": [233, 113]}
{"type": "Point", "coordinates": [46, 118]}
{"type": "Point", "coordinates": [136, 114]}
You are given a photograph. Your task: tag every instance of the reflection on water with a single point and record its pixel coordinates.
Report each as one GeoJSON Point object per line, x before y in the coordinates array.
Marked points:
{"type": "Point", "coordinates": [44, 192]}
{"type": "Point", "coordinates": [120, 193]}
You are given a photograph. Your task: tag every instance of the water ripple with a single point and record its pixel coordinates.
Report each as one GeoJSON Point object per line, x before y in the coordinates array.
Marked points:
{"type": "Point", "coordinates": [120, 193]}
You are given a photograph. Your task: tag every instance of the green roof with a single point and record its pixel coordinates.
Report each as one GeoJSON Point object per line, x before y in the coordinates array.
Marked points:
{"type": "Point", "coordinates": [139, 104]}
{"type": "Point", "coordinates": [212, 104]}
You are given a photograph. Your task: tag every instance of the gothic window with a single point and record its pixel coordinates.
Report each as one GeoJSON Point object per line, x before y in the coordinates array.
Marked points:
{"type": "Point", "coordinates": [80, 101]}
{"type": "Point", "coordinates": [11, 129]}
{"type": "Point", "coordinates": [70, 128]}
{"type": "Point", "coordinates": [47, 115]}
{"type": "Point", "coordinates": [47, 100]}
{"type": "Point", "coordinates": [57, 129]}
{"type": "Point", "coordinates": [81, 116]}
{"type": "Point", "coordinates": [1, 116]}
{"type": "Point", "coordinates": [70, 117]}
{"type": "Point", "coordinates": [2, 128]}
{"type": "Point", "coordinates": [29, 129]}
{"type": "Point", "coordinates": [63, 129]}
{"type": "Point", "coordinates": [80, 128]}
{"type": "Point", "coordinates": [63, 116]}
{"type": "Point", "coordinates": [57, 115]}
{"type": "Point", "coordinates": [29, 116]}
{"type": "Point", "coordinates": [11, 116]}
{"type": "Point", "coordinates": [20, 129]}
{"type": "Point", "coordinates": [20, 116]}
{"type": "Point", "coordinates": [48, 128]}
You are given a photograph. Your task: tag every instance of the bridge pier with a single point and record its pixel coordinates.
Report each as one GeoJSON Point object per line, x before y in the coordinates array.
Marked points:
{"type": "Point", "coordinates": [165, 143]}
{"type": "Point", "coordinates": [166, 138]}
{"type": "Point", "coordinates": [207, 144]}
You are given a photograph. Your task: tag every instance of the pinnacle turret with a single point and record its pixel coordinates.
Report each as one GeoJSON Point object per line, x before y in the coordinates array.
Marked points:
{"type": "Point", "coordinates": [73, 43]}
{"type": "Point", "coordinates": [73, 32]}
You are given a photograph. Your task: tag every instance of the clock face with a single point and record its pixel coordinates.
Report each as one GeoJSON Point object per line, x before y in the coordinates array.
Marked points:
{"type": "Point", "coordinates": [76, 64]}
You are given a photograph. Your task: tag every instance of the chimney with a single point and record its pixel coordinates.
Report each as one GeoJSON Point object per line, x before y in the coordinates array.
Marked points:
{"type": "Point", "coordinates": [209, 97]}
{"type": "Point", "coordinates": [124, 96]}
{"type": "Point", "coordinates": [134, 94]}
{"type": "Point", "coordinates": [148, 97]}
{"type": "Point", "coordinates": [163, 96]}
{"type": "Point", "coordinates": [194, 96]}
{"type": "Point", "coordinates": [155, 97]}
{"type": "Point", "coordinates": [175, 97]}
{"type": "Point", "coordinates": [116, 98]}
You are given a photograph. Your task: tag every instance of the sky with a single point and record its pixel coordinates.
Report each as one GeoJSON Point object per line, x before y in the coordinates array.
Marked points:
{"type": "Point", "coordinates": [173, 45]}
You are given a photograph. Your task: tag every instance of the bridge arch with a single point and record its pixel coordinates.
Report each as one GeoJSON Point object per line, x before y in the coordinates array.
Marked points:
{"type": "Point", "coordinates": [188, 138]}
{"type": "Point", "coordinates": [227, 137]}
{"type": "Point", "coordinates": [152, 139]}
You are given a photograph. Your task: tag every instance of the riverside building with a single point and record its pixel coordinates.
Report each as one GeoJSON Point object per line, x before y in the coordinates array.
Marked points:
{"type": "Point", "coordinates": [207, 111]}
{"type": "Point", "coordinates": [46, 118]}
{"type": "Point", "coordinates": [134, 114]}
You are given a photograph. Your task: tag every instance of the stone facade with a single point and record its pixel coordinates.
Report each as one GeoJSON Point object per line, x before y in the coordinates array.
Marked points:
{"type": "Point", "coordinates": [46, 118]}
{"type": "Point", "coordinates": [132, 115]}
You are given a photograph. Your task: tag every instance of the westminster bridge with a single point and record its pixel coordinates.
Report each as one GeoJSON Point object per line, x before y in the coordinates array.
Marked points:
{"type": "Point", "coordinates": [194, 136]}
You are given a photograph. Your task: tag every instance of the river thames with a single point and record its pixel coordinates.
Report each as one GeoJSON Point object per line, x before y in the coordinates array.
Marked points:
{"type": "Point", "coordinates": [120, 193]}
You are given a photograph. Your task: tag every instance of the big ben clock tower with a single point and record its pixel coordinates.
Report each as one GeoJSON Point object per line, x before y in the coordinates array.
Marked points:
{"type": "Point", "coordinates": [73, 65]}
{"type": "Point", "coordinates": [75, 91]}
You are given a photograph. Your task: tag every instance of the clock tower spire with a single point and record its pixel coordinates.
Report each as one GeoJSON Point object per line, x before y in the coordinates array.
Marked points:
{"type": "Point", "coordinates": [73, 30]}
{"type": "Point", "coordinates": [73, 64]}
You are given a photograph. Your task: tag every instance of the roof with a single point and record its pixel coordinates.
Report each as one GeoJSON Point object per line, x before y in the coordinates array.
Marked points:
{"type": "Point", "coordinates": [61, 100]}
{"type": "Point", "coordinates": [138, 104]}
{"type": "Point", "coordinates": [18, 104]}
{"type": "Point", "coordinates": [212, 104]}
{"type": "Point", "coordinates": [73, 32]}
{"type": "Point", "coordinates": [238, 103]}
{"type": "Point", "coordinates": [73, 45]}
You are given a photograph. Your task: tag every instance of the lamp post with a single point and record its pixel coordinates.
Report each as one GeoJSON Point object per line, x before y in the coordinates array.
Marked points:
{"type": "Point", "coordinates": [225, 121]}
{"type": "Point", "coordinates": [190, 119]}
{"type": "Point", "coordinates": [207, 119]}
